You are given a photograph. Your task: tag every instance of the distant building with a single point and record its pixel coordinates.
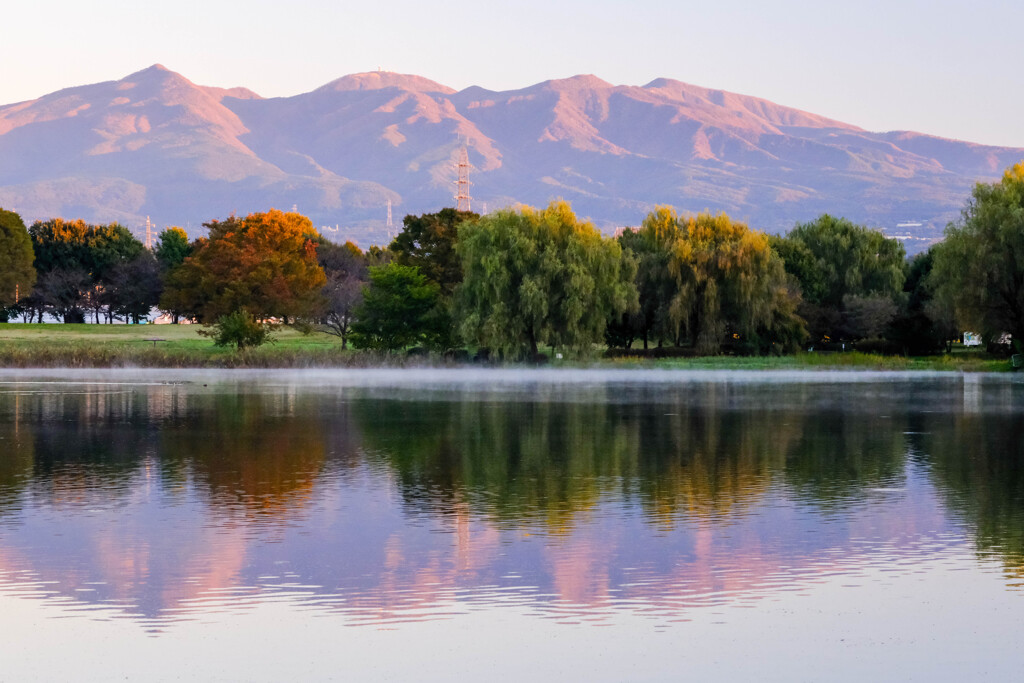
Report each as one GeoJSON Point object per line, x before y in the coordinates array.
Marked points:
{"type": "Point", "coordinates": [972, 339]}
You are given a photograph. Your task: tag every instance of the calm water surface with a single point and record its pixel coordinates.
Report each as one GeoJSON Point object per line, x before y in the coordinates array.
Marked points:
{"type": "Point", "coordinates": [428, 525]}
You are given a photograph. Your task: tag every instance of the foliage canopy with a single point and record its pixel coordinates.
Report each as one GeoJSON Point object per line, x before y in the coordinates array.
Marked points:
{"type": "Point", "coordinates": [397, 309]}
{"type": "Point", "coordinates": [534, 277]}
{"type": "Point", "coordinates": [17, 273]}
{"type": "Point", "coordinates": [428, 242]}
{"type": "Point", "coordinates": [730, 284]}
{"type": "Point", "coordinates": [979, 268]}
{"type": "Point", "coordinates": [265, 263]}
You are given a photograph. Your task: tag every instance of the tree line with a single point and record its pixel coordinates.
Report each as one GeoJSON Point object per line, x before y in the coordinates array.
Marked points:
{"type": "Point", "coordinates": [518, 281]}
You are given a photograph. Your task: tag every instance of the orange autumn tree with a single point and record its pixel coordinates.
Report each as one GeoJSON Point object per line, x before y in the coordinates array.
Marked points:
{"type": "Point", "coordinates": [264, 264]}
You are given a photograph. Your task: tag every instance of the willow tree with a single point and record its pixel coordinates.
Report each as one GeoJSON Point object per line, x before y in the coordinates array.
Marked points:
{"type": "Point", "coordinates": [651, 246]}
{"type": "Point", "coordinates": [533, 277]}
{"type": "Point", "coordinates": [730, 284]}
{"type": "Point", "coordinates": [979, 267]}
{"type": "Point", "coordinates": [17, 274]}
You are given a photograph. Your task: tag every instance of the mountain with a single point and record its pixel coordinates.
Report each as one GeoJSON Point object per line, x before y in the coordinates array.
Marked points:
{"type": "Point", "coordinates": [156, 144]}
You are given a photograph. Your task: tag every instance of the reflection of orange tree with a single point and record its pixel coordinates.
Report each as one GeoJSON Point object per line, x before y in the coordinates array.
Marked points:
{"type": "Point", "coordinates": [251, 451]}
{"type": "Point", "coordinates": [981, 471]}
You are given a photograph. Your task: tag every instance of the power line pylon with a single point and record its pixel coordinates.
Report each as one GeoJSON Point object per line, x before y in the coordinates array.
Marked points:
{"type": "Point", "coordinates": [462, 198]}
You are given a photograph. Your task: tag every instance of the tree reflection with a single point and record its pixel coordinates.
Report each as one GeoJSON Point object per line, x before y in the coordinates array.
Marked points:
{"type": "Point", "coordinates": [982, 473]}
{"type": "Point", "coordinates": [840, 453]}
{"type": "Point", "coordinates": [677, 482]}
{"type": "Point", "coordinates": [17, 460]}
{"type": "Point", "coordinates": [678, 457]}
{"type": "Point", "coordinates": [71, 447]}
{"type": "Point", "coordinates": [258, 453]}
{"type": "Point", "coordinates": [262, 451]}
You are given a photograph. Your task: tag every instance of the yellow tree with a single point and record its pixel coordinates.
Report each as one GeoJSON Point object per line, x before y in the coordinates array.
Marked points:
{"type": "Point", "coordinates": [729, 283]}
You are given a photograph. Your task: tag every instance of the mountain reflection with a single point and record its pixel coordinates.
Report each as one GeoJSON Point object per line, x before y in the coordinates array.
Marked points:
{"type": "Point", "coordinates": [166, 500]}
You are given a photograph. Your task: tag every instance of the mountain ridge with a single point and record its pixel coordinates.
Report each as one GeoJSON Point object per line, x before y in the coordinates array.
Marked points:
{"type": "Point", "coordinates": [156, 144]}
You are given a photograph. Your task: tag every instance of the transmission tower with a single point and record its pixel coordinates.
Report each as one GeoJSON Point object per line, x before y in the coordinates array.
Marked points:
{"type": "Point", "coordinates": [149, 234]}
{"type": "Point", "coordinates": [462, 197]}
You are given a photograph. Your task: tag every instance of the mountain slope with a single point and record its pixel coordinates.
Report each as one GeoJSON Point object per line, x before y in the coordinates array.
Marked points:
{"type": "Point", "coordinates": [156, 144]}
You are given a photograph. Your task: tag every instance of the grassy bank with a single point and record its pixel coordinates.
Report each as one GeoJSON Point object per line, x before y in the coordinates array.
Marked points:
{"type": "Point", "coordinates": [181, 346]}
{"type": "Point", "coordinates": [968, 361]}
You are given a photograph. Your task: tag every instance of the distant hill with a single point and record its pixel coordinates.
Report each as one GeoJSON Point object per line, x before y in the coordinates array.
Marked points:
{"type": "Point", "coordinates": [155, 144]}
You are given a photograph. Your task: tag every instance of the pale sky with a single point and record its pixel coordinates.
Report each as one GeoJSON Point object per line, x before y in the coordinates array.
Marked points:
{"type": "Point", "coordinates": [942, 67]}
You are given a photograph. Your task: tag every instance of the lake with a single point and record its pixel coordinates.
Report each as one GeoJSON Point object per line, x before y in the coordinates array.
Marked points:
{"type": "Point", "coordinates": [597, 525]}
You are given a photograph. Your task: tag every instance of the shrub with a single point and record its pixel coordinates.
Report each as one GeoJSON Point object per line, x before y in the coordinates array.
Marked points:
{"type": "Point", "coordinates": [239, 329]}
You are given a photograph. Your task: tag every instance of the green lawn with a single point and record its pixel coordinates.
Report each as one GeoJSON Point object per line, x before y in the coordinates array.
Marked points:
{"type": "Point", "coordinates": [175, 335]}
{"type": "Point", "coordinates": [89, 345]}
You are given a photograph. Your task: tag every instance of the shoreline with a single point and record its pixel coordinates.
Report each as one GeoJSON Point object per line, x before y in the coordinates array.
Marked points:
{"type": "Point", "coordinates": [489, 380]}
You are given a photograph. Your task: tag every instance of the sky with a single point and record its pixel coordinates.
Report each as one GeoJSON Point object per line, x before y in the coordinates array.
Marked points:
{"type": "Point", "coordinates": [948, 68]}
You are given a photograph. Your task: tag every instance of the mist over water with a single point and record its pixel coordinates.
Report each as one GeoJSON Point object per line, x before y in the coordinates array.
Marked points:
{"type": "Point", "coordinates": [858, 515]}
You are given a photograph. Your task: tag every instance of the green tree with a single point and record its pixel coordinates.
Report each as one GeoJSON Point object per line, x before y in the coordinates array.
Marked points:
{"type": "Point", "coordinates": [58, 243]}
{"type": "Point", "coordinates": [533, 277]}
{"type": "Point", "coordinates": [849, 259]}
{"type": "Point", "coordinates": [17, 272]}
{"type": "Point", "coordinates": [428, 242]}
{"type": "Point", "coordinates": [172, 248]}
{"type": "Point", "coordinates": [924, 325]}
{"type": "Point", "coordinates": [979, 268]}
{"type": "Point", "coordinates": [69, 252]}
{"type": "Point", "coordinates": [107, 247]}
{"type": "Point", "coordinates": [837, 262]}
{"type": "Point", "coordinates": [182, 285]}
{"type": "Point", "coordinates": [265, 263]}
{"type": "Point", "coordinates": [397, 309]}
{"type": "Point", "coordinates": [731, 285]}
